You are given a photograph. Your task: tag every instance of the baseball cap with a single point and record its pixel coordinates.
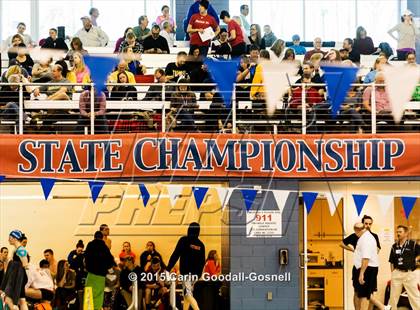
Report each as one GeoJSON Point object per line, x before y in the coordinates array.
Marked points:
{"type": "Point", "coordinates": [295, 38]}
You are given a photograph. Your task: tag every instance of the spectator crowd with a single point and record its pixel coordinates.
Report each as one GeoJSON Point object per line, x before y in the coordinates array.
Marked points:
{"type": "Point", "coordinates": [202, 25]}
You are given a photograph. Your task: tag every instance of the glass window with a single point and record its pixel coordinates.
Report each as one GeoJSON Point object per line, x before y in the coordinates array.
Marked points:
{"type": "Point", "coordinates": [330, 20]}
{"type": "Point", "coordinates": [67, 13]}
{"type": "Point", "coordinates": [235, 7]}
{"type": "Point", "coordinates": [116, 16]}
{"type": "Point", "coordinates": [377, 24]}
{"type": "Point", "coordinates": [13, 12]}
{"type": "Point", "coordinates": [285, 17]}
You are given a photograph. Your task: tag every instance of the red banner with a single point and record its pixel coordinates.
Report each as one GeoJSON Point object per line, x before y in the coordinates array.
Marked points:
{"type": "Point", "coordinates": [206, 155]}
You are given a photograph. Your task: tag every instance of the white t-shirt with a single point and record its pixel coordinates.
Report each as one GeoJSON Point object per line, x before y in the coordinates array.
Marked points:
{"type": "Point", "coordinates": [39, 278]}
{"type": "Point", "coordinates": [366, 248]}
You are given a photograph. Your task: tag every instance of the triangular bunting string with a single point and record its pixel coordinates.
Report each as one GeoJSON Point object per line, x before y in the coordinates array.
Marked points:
{"type": "Point", "coordinates": [333, 200]}
{"type": "Point", "coordinates": [309, 200]}
{"type": "Point", "coordinates": [144, 193]}
{"type": "Point", "coordinates": [95, 189]}
{"type": "Point", "coordinates": [174, 192]}
{"type": "Point", "coordinates": [400, 84]}
{"type": "Point", "coordinates": [47, 186]}
{"type": "Point", "coordinates": [224, 75]}
{"type": "Point", "coordinates": [2, 177]}
{"type": "Point", "coordinates": [338, 80]}
{"type": "Point", "coordinates": [100, 67]}
{"type": "Point", "coordinates": [359, 202]}
{"type": "Point", "coordinates": [281, 198]}
{"type": "Point", "coordinates": [408, 205]}
{"type": "Point", "coordinates": [249, 197]}
{"type": "Point", "coordinates": [385, 202]}
{"type": "Point", "coordinates": [199, 194]}
{"type": "Point", "coordinates": [224, 195]}
{"type": "Point", "coordinates": [276, 81]}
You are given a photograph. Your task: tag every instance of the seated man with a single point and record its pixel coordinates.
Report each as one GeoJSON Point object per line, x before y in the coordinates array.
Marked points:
{"type": "Point", "coordinates": [54, 92]}
{"type": "Point", "coordinates": [91, 35]}
{"type": "Point", "coordinates": [157, 285]}
{"type": "Point", "coordinates": [122, 67]}
{"type": "Point", "coordinates": [100, 123]}
{"type": "Point", "coordinates": [354, 55]}
{"type": "Point", "coordinates": [168, 33]}
{"type": "Point", "coordinates": [127, 284]}
{"type": "Point", "coordinates": [383, 105]}
{"type": "Point", "coordinates": [54, 42]}
{"type": "Point", "coordinates": [154, 93]}
{"type": "Point", "coordinates": [176, 70]}
{"type": "Point", "coordinates": [317, 49]}
{"type": "Point", "coordinates": [40, 285]}
{"type": "Point", "coordinates": [156, 44]}
{"type": "Point", "coordinates": [130, 41]}
{"type": "Point", "coordinates": [299, 49]}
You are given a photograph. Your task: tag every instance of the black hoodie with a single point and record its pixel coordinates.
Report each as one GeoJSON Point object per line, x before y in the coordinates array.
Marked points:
{"type": "Point", "coordinates": [98, 258]}
{"type": "Point", "coordinates": [191, 252]}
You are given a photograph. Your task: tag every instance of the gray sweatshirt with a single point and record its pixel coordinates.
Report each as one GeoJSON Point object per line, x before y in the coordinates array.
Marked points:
{"type": "Point", "coordinates": [406, 35]}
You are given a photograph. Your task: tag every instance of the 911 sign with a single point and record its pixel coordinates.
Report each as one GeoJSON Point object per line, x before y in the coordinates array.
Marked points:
{"type": "Point", "coordinates": [264, 224]}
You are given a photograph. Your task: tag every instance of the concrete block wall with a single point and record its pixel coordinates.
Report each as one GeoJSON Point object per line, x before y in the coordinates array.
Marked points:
{"type": "Point", "coordinates": [260, 255]}
{"type": "Point", "coordinates": [182, 7]}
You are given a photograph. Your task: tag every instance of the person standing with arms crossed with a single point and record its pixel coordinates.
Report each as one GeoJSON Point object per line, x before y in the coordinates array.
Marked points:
{"type": "Point", "coordinates": [402, 258]}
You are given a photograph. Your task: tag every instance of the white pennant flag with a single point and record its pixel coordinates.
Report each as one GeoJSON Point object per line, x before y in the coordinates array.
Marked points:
{"type": "Point", "coordinates": [333, 201]}
{"type": "Point", "coordinates": [385, 202]}
{"type": "Point", "coordinates": [276, 81]}
{"type": "Point", "coordinates": [400, 83]}
{"type": "Point", "coordinates": [174, 192]}
{"type": "Point", "coordinates": [224, 195]}
{"type": "Point", "coordinates": [281, 198]}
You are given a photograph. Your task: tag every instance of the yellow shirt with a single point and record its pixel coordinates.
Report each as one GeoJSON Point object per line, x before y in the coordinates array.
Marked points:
{"type": "Point", "coordinates": [71, 76]}
{"type": "Point", "coordinates": [113, 77]}
{"type": "Point", "coordinates": [258, 79]}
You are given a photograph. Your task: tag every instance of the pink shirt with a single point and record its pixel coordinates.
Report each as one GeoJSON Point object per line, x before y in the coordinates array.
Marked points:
{"type": "Point", "coordinates": [80, 75]}
{"type": "Point", "coordinates": [161, 19]}
{"type": "Point", "coordinates": [381, 97]}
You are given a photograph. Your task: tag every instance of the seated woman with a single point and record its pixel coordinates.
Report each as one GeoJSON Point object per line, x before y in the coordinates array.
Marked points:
{"type": "Point", "coordinates": [23, 59]}
{"type": "Point", "coordinates": [221, 46]}
{"type": "Point", "coordinates": [184, 101]}
{"type": "Point", "coordinates": [80, 73]}
{"type": "Point", "coordinates": [42, 71]}
{"type": "Point", "coordinates": [66, 284]}
{"type": "Point", "coordinates": [133, 62]}
{"type": "Point", "coordinates": [212, 266]}
{"type": "Point", "coordinates": [76, 46]}
{"type": "Point", "coordinates": [146, 256]}
{"type": "Point", "coordinates": [16, 42]}
{"type": "Point", "coordinates": [126, 251]}
{"type": "Point", "coordinates": [123, 92]}
{"type": "Point", "coordinates": [121, 40]}
{"type": "Point", "coordinates": [377, 67]}
{"type": "Point", "coordinates": [14, 69]}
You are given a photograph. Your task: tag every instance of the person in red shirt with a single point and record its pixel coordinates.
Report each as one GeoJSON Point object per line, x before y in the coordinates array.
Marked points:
{"type": "Point", "coordinates": [212, 266]}
{"type": "Point", "coordinates": [236, 37]}
{"type": "Point", "coordinates": [197, 24]}
{"type": "Point", "coordinates": [126, 251]}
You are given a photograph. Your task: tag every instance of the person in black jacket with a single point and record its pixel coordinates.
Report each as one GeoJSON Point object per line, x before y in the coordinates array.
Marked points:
{"type": "Point", "coordinates": [191, 252]}
{"type": "Point", "coordinates": [54, 42]}
{"type": "Point", "coordinates": [123, 92]}
{"type": "Point", "coordinates": [98, 260]}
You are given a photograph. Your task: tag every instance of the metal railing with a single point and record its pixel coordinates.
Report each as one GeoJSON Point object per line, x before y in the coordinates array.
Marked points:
{"type": "Point", "coordinates": [164, 108]}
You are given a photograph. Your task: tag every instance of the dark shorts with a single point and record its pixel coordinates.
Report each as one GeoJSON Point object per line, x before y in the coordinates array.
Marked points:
{"type": "Point", "coordinates": [47, 294]}
{"type": "Point", "coordinates": [370, 286]}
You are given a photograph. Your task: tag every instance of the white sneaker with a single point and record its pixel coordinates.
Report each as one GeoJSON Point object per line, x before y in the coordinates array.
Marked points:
{"type": "Point", "coordinates": [388, 307]}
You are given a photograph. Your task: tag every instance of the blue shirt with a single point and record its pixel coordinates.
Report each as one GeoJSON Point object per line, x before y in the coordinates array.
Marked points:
{"type": "Point", "coordinates": [299, 49]}
{"type": "Point", "coordinates": [194, 9]}
{"type": "Point", "coordinates": [370, 77]}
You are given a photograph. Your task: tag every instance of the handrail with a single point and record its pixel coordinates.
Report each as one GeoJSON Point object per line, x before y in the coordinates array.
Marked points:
{"type": "Point", "coordinates": [135, 296]}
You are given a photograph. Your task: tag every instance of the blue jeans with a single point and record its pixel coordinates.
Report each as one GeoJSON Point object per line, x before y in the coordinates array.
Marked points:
{"type": "Point", "coordinates": [10, 112]}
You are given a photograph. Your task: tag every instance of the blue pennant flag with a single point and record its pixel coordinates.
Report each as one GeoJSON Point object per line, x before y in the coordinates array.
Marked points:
{"type": "Point", "coordinates": [100, 67]}
{"type": "Point", "coordinates": [199, 194]}
{"type": "Point", "coordinates": [338, 80]}
{"type": "Point", "coordinates": [47, 186]}
{"type": "Point", "coordinates": [95, 188]}
{"type": "Point", "coordinates": [249, 197]}
{"type": "Point", "coordinates": [2, 177]}
{"type": "Point", "coordinates": [359, 202]}
{"type": "Point", "coordinates": [224, 74]}
{"type": "Point", "coordinates": [309, 200]}
{"type": "Point", "coordinates": [408, 205]}
{"type": "Point", "coordinates": [144, 194]}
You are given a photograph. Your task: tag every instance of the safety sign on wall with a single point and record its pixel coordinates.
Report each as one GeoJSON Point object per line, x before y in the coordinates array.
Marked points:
{"type": "Point", "coordinates": [264, 224]}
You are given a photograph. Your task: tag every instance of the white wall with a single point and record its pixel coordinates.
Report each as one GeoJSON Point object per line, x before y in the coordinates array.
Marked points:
{"type": "Point", "coordinates": [383, 224]}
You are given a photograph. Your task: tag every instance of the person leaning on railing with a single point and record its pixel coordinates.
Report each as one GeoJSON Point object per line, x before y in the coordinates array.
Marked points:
{"type": "Point", "coordinates": [183, 102]}
{"type": "Point", "coordinates": [100, 121]}
{"type": "Point", "coordinates": [9, 97]}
